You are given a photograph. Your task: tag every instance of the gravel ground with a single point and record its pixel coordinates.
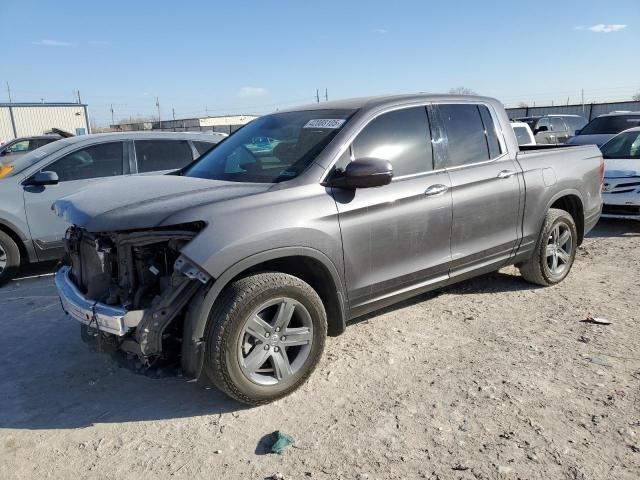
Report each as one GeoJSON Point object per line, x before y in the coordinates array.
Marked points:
{"type": "Point", "coordinates": [492, 378]}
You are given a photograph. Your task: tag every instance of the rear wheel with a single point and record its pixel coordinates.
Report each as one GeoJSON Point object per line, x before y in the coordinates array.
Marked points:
{"type": "Point", "coordinates": [9, 258]}
{"type": "Point", "coordinates": [265, 336]}
{"type": "Point", "coordinates": [555, 250]}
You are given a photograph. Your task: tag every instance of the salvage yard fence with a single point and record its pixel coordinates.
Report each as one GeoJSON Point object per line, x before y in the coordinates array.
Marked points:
{"type": "Point", "coordinates": [587, 110]}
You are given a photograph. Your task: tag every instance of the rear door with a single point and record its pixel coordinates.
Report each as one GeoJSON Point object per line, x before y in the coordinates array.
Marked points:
{"type": "Point", "coordinates": [395, 237]}
{"type": "Point", "coordinates": [76, 170]}
{"type": "Point", "coordinates": [160, 155]}
{"type": "Point", "coordinates": [485, 188]}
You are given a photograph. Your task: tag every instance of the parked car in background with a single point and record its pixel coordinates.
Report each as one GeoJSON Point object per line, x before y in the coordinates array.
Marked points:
{"type": "Point", "coordinates": [554, 129]}
{"type": "Point", "coordinates": [621, 188]}
{"type": "Point", "coordinates": [20, 146]}
{"type": "Point", "coordinates": [246, 262]}
{"type": "Point", "coordinates": [523, 132]}
{"type": "Point", "coordinates": [603, 128]}
{"type": "Point", "coordinates": [29, 232]}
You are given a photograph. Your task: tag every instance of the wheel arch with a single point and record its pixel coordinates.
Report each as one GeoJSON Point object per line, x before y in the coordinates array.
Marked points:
{"type": "Point", "coordinates": [26, 255]}
{"type": "Point", "coordinates": [571, 202]}
{"type": "Point", "coordinates": [309, 264]}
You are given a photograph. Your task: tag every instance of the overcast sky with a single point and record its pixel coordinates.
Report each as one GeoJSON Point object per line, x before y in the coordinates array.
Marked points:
{"type": "Point", "coordinates": [255, 56]}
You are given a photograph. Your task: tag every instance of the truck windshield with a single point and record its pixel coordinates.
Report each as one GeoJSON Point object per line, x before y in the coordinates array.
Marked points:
{"type": "Point", "coordinates": [271, 149]}
{"type": "Point", "coordinates": [611, 124]}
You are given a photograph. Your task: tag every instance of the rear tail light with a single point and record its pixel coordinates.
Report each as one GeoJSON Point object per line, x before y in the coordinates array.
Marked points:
{"type": "Point", "coordinates": [5, 170]}
{"type": "Point", "coordinates": [601, 173]}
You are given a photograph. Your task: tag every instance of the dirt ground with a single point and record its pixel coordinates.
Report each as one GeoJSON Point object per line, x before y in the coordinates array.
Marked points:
{"type": "Point", "coordinates": [492, 378]}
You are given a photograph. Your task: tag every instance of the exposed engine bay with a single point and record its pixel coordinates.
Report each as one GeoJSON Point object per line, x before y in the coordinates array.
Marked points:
{"type": "Point", "coordinates": [141, 272]}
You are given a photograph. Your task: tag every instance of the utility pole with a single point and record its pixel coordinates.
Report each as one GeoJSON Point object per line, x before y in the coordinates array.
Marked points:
{"type": "Point", "coordinates": [173, 112]}
{"type": "Point", "coordinates": [582, 101]}
{"type": "Point", "coordinates": [9, 91]}
{"type": "Point", "coordinates": [326, 95]}
{"type": "Point", "coordinates": [79, 100]}
{"type": "Point", "coordinates": [113, 122]}
{"type": "Point", "coordinates": [317, 95]}
{"type": "Point", "coordinates": [158, 107]}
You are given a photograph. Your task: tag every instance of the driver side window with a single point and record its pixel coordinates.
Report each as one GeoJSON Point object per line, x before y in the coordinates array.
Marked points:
{"type": "Point", "coordinates": [97, 161]}
{"type": "Point", "coordinates": [401, 136]}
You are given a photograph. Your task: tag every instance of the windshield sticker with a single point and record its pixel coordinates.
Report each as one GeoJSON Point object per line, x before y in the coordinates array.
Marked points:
{"type": "Point", "coordinates": [332, 123]}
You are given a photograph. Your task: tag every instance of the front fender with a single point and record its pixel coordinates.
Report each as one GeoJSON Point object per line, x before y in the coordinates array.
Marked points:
{"type": "Point", "coordinates": [193, 344]}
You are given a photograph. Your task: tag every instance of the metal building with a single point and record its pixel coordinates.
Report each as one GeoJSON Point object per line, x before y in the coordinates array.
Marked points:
{"type": "Point", "coordinates": [24, 119]}
{"type": "Point", "coordinates": [224, 124]}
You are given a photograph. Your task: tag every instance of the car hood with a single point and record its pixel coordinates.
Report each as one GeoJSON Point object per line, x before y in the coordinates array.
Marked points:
{"type": "Point", "coordinates": [621, 167]}
{"type": "Point", "coordinates": [599, 139]}
{"type": "Point", "coordinates": [139, 202]}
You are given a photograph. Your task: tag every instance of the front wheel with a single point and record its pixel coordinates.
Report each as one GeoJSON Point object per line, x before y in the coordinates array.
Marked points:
{"type": "Point", "coordinates": [264, 337]}
{"type": "Point", "coordinates": [9, 258]}
{"type": "Point", "coordinates": [555, 250]}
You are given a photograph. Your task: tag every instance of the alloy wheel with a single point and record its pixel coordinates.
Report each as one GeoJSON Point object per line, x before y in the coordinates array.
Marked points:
{"type": "Point", "coordinates": [275, 341]}
{"type": "Point", "coordinates": [3, 259]}
{"type": "Point", "coordinates": [559, 249]}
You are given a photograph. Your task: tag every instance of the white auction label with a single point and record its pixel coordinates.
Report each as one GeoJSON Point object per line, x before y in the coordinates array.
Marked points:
{"type": "Point", "coordinates": [325, 123]}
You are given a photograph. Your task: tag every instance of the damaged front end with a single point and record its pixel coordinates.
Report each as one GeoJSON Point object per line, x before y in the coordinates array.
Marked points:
{"type": "Point", "coordinates": [130, 289]}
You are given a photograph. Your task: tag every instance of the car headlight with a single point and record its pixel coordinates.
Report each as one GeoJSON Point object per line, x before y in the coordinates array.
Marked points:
{"type": "Point", "coordinates": [6, 170]}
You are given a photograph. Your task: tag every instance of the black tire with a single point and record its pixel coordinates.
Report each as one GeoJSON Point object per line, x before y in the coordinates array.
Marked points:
{"type": "Point", "coordinates": [226, 330]}
{"type": "Point", "coordinates": [9, 258]}
{"type": "Point", "coordinates": [537, 269]}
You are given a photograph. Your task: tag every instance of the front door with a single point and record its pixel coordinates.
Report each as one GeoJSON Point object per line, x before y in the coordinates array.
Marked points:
{"type": "Point", "coordinates": [76, 170]}
{"type": "Point", "coordinates": [395, 237]}
{"type": "Point", "coordinates": [485, 185]}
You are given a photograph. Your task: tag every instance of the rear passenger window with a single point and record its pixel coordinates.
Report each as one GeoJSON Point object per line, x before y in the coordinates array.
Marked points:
{"type": "Point", "coordinates": [557, 125]}
{"type": "Point", "coordinates": [522, 135]}
{"type": "Point", "coordinates": [203, 147]}
{"type": "Point", "coordinates": [465, 133]}
{"type": "Point", "coordinates": [490, 132]}
{"type": "Point", "coordinates": [158, 155]}
{"type": "Point", "coordinates": [103, 160]}
{"type": "Point", "coordinates": [402, 137]}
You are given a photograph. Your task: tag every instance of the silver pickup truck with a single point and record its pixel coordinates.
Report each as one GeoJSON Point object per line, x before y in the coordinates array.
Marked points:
{"type": "Point", "coordinates": [244, 261]}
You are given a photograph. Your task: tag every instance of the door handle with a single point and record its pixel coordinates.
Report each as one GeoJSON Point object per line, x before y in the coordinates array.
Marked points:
{"type": "Point", "coordinates": [506, 174]}
{"type": "Point", "coordinates": [437, 189]}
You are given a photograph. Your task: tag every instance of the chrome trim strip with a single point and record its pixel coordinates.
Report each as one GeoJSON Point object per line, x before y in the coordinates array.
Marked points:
{"type": "Point", "coordinates": [492, 112]}
{"type": "Point", "coordinates": [109, 318]}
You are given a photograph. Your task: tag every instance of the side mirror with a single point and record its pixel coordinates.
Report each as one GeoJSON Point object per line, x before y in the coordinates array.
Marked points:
{"type": "Point", "coordinates": [43, 178]}
{"type": "Point", "coordinates": [3, 153]}
{"type": "Point", "coordinates": [364, 173]}
{"type": "Point", "coordinates": [543, 128]}
{"type": "Point", "coordinates": [577, 132]}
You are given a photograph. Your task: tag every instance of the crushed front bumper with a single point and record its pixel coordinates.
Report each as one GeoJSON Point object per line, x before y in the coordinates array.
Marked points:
{"type": "Point", "coordinates": [106, 318]}
{"type": "Point", "coordinates": [621, 198]}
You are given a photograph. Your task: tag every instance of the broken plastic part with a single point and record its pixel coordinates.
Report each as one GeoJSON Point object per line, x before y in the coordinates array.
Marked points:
{"type": "Point", "coordinates": [188, 269]}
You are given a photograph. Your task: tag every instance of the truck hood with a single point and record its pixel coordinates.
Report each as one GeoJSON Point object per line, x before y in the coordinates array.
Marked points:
{"type": "Point", "coordinates": [138, 202]}
{"type": "Point", "coordinates": [599, 139]}
{"type": "Point", "coordinates": [621, 167]}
